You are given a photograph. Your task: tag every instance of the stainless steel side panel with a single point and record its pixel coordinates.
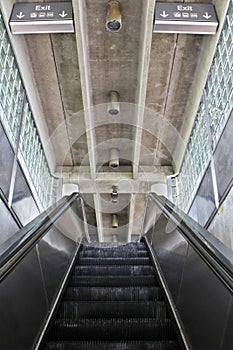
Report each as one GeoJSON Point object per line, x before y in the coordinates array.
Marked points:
{"type": "Point", "coordinates": [56, 252]}
{"type": "Point", "coordinates": [228, 336]}
{"type": "Point", "coordinates": [205, 199]}
{"type": "Point", "coordinates": [171, 250]}
{"type": "Point", "coordinates": [201, 299]}
{"type": "Point", "coordinates": [23, 305]}
{"type": "Point", "coordinates": [203, 304]}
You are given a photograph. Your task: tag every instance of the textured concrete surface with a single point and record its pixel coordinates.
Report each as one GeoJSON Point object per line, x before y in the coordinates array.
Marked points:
{"type": "Point", "coordinates": [69, 77]}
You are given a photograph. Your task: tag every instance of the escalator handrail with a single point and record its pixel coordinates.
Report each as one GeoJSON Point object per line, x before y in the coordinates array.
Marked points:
{"type": "Point", "coordinates": [14, 249]}
{"type": "Point", "coordinates": [219, 260]}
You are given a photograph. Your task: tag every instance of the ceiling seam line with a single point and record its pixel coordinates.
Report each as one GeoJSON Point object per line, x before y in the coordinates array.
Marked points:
{"type": "Point", "coordinates": [167, 92]}
{"type": "Point", "coordinates": [62, 102]}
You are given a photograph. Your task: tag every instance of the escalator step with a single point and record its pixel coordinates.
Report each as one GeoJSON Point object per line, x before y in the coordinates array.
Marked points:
{"type": "Point", "coordinates": [108, 253]}
{"type": "Point", "coordinates": [113, 329]}
{"type": "Point", "coordinates": [128, 270]}
{"type": "Point", "coordinates": [114, 246]}
{"type": "Point", "coordinates": [75, 310]}
{"type": "Point", "coordinates": [114, 261]}
{"type": "Point", "coordinates": [128, 345]}
{"type": "Point", "coordinates": [107, 281]}
{"type": "Point", "coordinates": [113, 294]}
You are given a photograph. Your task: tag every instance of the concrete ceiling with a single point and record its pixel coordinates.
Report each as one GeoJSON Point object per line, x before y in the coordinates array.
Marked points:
{"type": "Point", "coordinates": [159, 78]}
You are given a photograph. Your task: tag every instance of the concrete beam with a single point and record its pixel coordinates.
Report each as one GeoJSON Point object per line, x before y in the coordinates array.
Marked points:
{"type": "Point", "coordinates": [79, 8]}
{"type": "Point", "coordinates": [144, 60]}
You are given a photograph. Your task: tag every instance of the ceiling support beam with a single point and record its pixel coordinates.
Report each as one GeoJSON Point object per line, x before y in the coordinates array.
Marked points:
{"type": "Point", "coordinates": [131, 217]}
{"type": "Point", "coordinates": [144, 60]}
{"type": "Point", "coordinates": [79, 8]}
{"type": "Point", "coordinates": [99, 217]}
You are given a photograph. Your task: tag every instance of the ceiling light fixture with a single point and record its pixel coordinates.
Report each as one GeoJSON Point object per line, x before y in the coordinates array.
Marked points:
{"type": "Point", "coordinates": [113, 106]}
{"type": "Point", "coordinates": [113, 19]}
{"type": "Point", "coordinates": [114, 158]}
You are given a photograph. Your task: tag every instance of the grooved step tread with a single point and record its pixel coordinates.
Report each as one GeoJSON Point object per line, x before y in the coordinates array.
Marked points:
{"type": "Point", "coordinates": [117, 281]}
{"type": "Point", "coordinates": [107, 253]}
{"type": "Point", "coordinates": [128, 345]}
{"type": "Point", "coordinates": [113, 329]}
{"type": "Point", "coordinates": [114, 270]}
{"type": "Point", "coordinates": [113, 293]}
{"type": "Point", "coordinates": [114, 246]}
{"type": "Point", "coordinates": [113, 309]}
{"type": "Point", "coordinates": [114, 261]}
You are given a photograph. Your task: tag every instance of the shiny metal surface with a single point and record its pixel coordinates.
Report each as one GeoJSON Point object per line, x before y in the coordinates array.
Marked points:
{"type": "Point", "coordinates": [171, 250]}
{"type": "Point", "coordinates": [150, 215]}
{"type": "Point", "coordinates": [169, 296]}
{"type": "Point", "coordinates": [205, 201]}
{"type": "Point", "coordinates": [71, 223]}
{"type": "Point", "coordinates": [22, 305]}
{"type": "Point", "coordinates": [37, 270]}
{"type": "Point", "coordinates": [203, 304]}
{"type": "Point", "coordinates": [203, 301]}
{"type": "Point", "coordinates": [223, 157]}
{"type": "Point", "coordinates": [56, 252]}
{"type": "Point", "coordinates": [227, 342]}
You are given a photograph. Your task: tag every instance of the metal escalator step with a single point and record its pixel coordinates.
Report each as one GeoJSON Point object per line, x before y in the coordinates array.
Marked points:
{"type": "Point", "coordinates": [107, 281]}
{"type": "Point", "coordinates": [105, 253]}
{"type": "Point", "coordinates": [127, 345]}
{"type": "Point", "coordinates": [114, 246]}
{"type": "Point", "coordinates": [113, 293]}
{"type": "Point", "coordinates": [114, 270]}
{"type": "Point", "coordinates": [75, 310]}
{"type": "Point", "coordinates": [113, 329]}
{"type": "Point", "coordinates": [114, 261]}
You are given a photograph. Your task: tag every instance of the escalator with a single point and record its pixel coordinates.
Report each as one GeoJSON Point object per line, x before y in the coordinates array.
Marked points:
{"type": "Point", "coordinates": [61, 291]}
{"type": "Point", "coordinates": [113, 300]}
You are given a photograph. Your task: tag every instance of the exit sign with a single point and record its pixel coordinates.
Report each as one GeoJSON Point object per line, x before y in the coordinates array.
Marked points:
{"type": "Point", "coordinates": [185, 18]}
{"type": "Point", "coordinates": [31, 18]}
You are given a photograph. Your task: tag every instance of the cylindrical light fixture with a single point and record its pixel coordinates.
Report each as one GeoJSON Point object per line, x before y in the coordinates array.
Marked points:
{"type": "Point", "coordinates": [114, 194]}
{"type": "Point", "coordinates": [113, 106]}
{"type": "Point", "coordinates": [114, 220]}
{"type": "Point", "coordinates": [114, 158]}
{"type": "Point", "coordinates": [113, 19]}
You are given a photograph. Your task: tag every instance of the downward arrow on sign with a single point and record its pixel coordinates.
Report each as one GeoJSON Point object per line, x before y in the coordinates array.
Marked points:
{"type": "Point", "coordinates": [164, 14]}
{"type": "Point", "coordinates": [63, 14]}
{"type": "Point", "coordinates": [207, 16]}
{"type": "Point", "coordinates": [21, 15]}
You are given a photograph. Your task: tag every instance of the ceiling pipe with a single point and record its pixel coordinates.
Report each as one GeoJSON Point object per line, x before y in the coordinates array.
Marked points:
{"type": "Point", "coordinates": [114, 106]}
{"type": "Point", "coordinates": [113, 19]}
{"type": "Point", "coordinates": [114, 158]}
{"type": "Point", "coordinates": [114, 220]}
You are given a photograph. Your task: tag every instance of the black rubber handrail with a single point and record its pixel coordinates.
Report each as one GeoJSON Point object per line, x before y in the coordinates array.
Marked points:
{"type": "Point", "coordinates": [220, 261]}
{"type": "Point", "coordinates": [14, 249]}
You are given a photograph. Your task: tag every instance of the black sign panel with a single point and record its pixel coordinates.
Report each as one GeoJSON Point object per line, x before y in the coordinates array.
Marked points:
{"type": "Point", "coordinates": [185, 18]}
{"type": "Point", "coordinates": [42, 17]}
